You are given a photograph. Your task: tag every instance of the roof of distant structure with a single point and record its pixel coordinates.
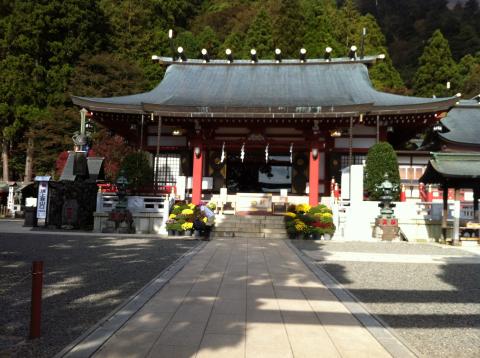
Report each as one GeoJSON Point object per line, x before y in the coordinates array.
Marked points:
{"type": "Point", "coordinates": [78, 166]}
{"type": "Point", "coordinates": [316, 88]}
{"type": "Point", "coordinates": [463, 123]}
{"type": "Point", "coordinates": [461, 170]}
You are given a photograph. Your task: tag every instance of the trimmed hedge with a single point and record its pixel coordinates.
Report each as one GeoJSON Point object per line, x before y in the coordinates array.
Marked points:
{"type": "Point", "coordinates": [381, 159]}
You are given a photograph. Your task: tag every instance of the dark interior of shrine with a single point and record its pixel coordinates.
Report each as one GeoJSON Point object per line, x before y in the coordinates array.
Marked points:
{"type": "Point", "coordinates": [256, 175]}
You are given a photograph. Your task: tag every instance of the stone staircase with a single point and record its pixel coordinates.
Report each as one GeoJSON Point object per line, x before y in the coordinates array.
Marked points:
{"type": "Point", "coordinates": [253, 226]}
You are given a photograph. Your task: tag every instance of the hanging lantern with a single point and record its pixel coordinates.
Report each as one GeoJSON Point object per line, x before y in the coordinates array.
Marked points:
{"type": "Point", "coordinates": [222, 158]}
{"type": "Point", "coordinates": [291, 152]}
{"type": "Point", "coordinates": [242, 152]}
{"type": "Point", "coordinates": [266, 153]}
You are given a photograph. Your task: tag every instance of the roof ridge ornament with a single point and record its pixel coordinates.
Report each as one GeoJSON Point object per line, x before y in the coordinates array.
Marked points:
{"type": "Point", "coordinates": [367, 60]}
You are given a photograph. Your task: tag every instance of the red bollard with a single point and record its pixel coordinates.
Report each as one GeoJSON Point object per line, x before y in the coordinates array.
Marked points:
{"type": "Point", "coordinates": [336, 192]}
{"type": "Point", "coordinates": [36, 313]}
{"type": "Point", "coordinates": [403, 194]}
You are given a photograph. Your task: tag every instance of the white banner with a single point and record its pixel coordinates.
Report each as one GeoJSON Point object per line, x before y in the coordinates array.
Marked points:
{"type": "Point", "coordinates": [42, 200]}
{"type": "Point", "coordinates": [10, 202]}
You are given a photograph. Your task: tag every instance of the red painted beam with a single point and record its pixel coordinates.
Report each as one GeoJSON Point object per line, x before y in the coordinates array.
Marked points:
{"type": "Point", "coordinates": [313, 172]}
{"type": "Point", "coordinates": [197, 175]}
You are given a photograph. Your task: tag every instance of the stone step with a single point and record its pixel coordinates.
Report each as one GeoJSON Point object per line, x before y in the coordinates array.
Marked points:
{"type": "Point", "coordinates": [269, 230]}
{"type": "Point", "coordinates": [253, 226]}
{"type": "Point", "coordinates": [250, 218]}
{"type": "Point", "coordinates": [248, 235]}
{"type": "Point", "coordinates": [244, 223]}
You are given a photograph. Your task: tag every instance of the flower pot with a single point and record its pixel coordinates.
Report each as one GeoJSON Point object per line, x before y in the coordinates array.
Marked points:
{"type": "Point", "coordinates": [300, 236]}
{"type": "Point", "coordinates": [315, 236]}
{"type": "Point", "coordinates": [179, 233]}
{"type": "Point", "coordinates": [327, 236]}
{"type": "Point", "coordinates": [292, 236]}
{"type": "Point", "coordinates": [197, 234]}
{"type": "Point", "coordinates": [188, 232]}
{"type": "Point", "coordinates": [171, 232]}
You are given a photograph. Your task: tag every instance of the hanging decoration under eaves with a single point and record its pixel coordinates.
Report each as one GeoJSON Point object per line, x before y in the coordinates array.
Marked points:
{"type": "Point", "coordinates": [242, 152]}
{"type": "Point", "coordinates": [222, 158]}
{"type": "Point", "coordinates": [266, 153]}
{"type": "Point", "coordinates": [291, 152]}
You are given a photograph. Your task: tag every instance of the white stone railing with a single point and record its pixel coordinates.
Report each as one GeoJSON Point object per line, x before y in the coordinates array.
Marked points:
{"type": "Point", "coordinates": [149, 213]}
{"type": "Point", "coordinates": [433, 210]}
{"type": "Point", "coordinates": [142, 204]}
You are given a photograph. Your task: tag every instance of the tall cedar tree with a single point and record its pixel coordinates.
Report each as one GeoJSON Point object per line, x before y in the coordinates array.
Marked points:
{"type": "Point", "coordinates": [40, 41]}
{"type": "Point", "coordinates": [381, 159]}
{"type": "Point", "coordinates": [288, 28]}
{"type": "Point", "coordinates": [259, 35]}
{"type": "Point", "coordinates": [437, 67]}
{"type": "Point", "coordinates": [106, 75]}
{"type": "Point", "coordinates": [320, 28]}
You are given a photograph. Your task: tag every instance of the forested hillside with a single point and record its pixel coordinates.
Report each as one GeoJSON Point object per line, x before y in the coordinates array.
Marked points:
{"type": "Point", "coordinates": [50, 49]}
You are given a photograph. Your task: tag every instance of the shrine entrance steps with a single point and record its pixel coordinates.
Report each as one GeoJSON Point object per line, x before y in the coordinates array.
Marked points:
{"type": "Point", "coordinates": [249, 226]}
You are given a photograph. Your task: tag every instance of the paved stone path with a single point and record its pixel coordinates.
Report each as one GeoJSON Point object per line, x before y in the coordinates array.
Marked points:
{"type": "Point", "coordinates": [243, 298]}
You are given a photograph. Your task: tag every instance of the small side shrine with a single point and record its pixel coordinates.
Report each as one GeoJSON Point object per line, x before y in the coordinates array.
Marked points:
{"type": "Point", "coordinates": [456, 171]}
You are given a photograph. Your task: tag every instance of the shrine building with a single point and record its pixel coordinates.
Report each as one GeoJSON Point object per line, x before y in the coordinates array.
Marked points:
{"type": "Point", "coordinates": [257, 126]}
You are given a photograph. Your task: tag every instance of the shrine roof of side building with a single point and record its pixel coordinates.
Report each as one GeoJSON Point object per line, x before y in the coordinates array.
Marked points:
{"type": "Point", "coordinates": [290, 89]}
{"type": "Point", "coordinates": [462, 124]}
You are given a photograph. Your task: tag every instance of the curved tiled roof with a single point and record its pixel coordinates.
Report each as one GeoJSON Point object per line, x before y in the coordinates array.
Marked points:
{"type": "Point", "coordinates": [463, 124]}
{"type": "Point", "coordinates": [317, 88]}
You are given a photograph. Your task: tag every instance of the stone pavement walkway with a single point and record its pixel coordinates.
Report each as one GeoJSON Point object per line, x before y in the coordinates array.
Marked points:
{"type": "Point", "coordinates": [243, 298]}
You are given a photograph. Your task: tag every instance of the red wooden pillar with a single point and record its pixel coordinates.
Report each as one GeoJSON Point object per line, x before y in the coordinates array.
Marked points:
{"type": "Point", "coordinates": [313, 171]}
{"type": "Point", "coordinates": [197, 174]}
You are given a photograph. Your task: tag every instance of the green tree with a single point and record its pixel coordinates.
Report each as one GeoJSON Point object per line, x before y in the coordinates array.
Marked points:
{"type": "Point", "coordinates": [471, 85]}
{"type": "Point", "coordinates": [106, 75]}
{"type": "Point", "coordinates": [235, 42]}
{"type": "Point", "coordinates": [384, 75]}
{"type": "Point", "coordinates": [288, 28]}
{"type": "Point", "coordinates": [209, 40]}
{"type": "Point", "coordinates": [320, 28]}
{"type": "Point", "coordinates": [259, 35]}
{"type": "Point", "coordinates": [137, 170]}
{"type": "Point", "coordinates": [381, 159]}
{"type": "Point", "coordinates": [347, 26]}
{"type": "Point", "coordinates": [437, 67]}
{"type": "Point", "coordinates": [39, 44]}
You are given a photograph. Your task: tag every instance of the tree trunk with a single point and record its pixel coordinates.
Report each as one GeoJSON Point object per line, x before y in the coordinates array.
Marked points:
{"type": "Point", "coordinates": [6, 173]}
{"type": "Point", "coordinates": [29, 160]}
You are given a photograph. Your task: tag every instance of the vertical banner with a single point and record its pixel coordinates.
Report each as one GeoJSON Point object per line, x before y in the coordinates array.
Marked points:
{"type": "Point", "coordinates": [42, 200]}
{"type": "Point", "coordinates": [10, 202]}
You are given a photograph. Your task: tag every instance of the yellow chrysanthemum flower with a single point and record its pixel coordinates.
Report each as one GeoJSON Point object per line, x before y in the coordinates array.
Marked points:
{"type": "Point", "coordinates": [302, 208]}
{"type": "Point", "coordinates": [187, 226]}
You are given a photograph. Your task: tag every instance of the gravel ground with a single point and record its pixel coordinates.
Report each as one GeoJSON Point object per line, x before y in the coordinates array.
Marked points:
{"type": "Point", "coordinates": [435, 308]}
{"type": "Point", "coordinates": [86, 277]}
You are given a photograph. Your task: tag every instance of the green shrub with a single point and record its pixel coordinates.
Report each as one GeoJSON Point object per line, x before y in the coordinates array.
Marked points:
{"type": "Point", "coordinates": [137, 170]}
{"type": "Point", "coordinates": [381, 159]}
{"type": "Point", "coordinates": [307, 219]}
{"type": "Point", "coordinates": [318, 209]}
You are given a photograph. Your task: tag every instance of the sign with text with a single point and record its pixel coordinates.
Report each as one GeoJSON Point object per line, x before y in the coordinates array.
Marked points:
{"type": "Point", "coordinates": [42, 200]}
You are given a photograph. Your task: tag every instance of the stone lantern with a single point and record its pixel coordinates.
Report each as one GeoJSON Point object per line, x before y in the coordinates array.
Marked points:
{"type": "Point", "coordinates": [386, 225]}
{"type": "Point", "coordinates": [120, 218]}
